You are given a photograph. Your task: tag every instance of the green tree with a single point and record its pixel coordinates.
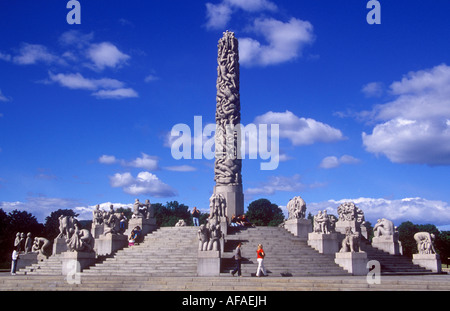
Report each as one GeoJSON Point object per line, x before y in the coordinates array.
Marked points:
{"type": "Point", "coordinates": [262, 212]}
{"type": "Point", "coordinates": [168, 215]}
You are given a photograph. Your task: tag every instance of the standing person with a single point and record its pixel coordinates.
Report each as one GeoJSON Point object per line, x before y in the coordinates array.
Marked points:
{"type": "Point", "coordinates": [15, 258]}
{"type": "Point", "coordinates": [238, 259]}
{"type": "Point", "coordinates": [195, 216]}
{"type": "Point", "coordinates": [123, 222]}
{"type": "Point", "coordinates": [260, 258]}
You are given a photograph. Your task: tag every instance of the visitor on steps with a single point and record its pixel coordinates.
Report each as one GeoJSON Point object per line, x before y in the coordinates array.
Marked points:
{"type": "Point", "coordinates": [195, 216]}
{"type": "Point", "coordinates": [15, 258]}
{"type": "Point", "coordinates": [260, 258]}
{"type": "Point", "coordinates": [237, 259]}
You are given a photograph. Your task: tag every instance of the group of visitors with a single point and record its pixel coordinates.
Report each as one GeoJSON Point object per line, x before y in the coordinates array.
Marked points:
{"type": "Point", "coordinates": [240, 221]}
{"type": "Point", "coordinates": [260, 254]}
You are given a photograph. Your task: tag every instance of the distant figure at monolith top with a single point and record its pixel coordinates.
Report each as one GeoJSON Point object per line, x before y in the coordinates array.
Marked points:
{"type": "Point", "coordinates": [228, 162]}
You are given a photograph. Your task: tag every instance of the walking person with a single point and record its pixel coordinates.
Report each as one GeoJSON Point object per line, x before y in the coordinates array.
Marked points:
{"type": "Point", "coordinates": [260, 258]}
{"type": "Point", "coordinates": [195, 216]}
{"type": "Point", "coordinates": [15, 258]}
{"type": "Point", "coordinates": [238, 259]}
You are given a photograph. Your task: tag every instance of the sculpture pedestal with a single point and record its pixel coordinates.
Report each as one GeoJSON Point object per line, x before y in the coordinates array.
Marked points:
{"type": "Point", "coordinates": [59, 246]}
{"type": "Point", "coordinates": [74, 262]}
{"type": "Point", "coordinates": [355, 263]}
{"type": "Point", "coordinates": [97, 230]}
{"type": "Point", "coordinates": [146, 225]}
{"type": "Point", "coordinates": [110, 243]}
{"type": "Point", "coordinates": [387, 243]}
{"type": "Point", "coordinates": [324, 243]}
{"type": "Point", "coordinates": [234, 197]}
{"type": "Point", "coordinates": [208, 263]}
{"type": "Point", "coordinates": [428, 261]}
{"type": "Point", "coordinates": [299, 227]}
{"type": "Point", "coordinates": [28, 259]}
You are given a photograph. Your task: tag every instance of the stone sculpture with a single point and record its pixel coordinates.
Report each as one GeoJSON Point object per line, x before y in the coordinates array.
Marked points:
{"type": "Point", "coordinates": [296, 208]}
{"type": "Point", "coordinates": [97, 215]}
{"type": "Point", "coordinates": [41, 245]}
{"type": "Point", "coordinates": [80, 240]}
{"type": "Point", "coordinates": [144, 212]}
{"type": "Point", "coordinates": [28, 243]}
{"type": "Point", "coordinates": [348, 211]}
{"type": "Point", "coordinates": [214, 236]}
{"type": "Point", "coordinates": [217, 206]}
{"type": "Point", "coordinates": [323, 223]}
{"type": "Point", "coordinates": [383, 227]}
{"type": "Point", "coordinates": [228, 161]}
{"type": "Point", "coordinates": [203, 237]}
{"type": "Point", "coordinates": [180, 223]}
{"type": "Point", "coordinates": [351, 241]}
{"type": "Point", "coordinates": [65, 224]}
{"type": "Point", "coordinates": [19, 241]}
{"type": "Point", "coordinates": [111, 221]}
{"type": "Point", "coordinates": [425, 242]}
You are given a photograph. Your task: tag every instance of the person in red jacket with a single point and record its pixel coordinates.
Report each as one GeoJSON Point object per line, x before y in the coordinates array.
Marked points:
{"type": "Point", "coordinates": [260, 258]}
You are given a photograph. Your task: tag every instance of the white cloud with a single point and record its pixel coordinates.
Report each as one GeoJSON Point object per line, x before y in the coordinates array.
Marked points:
{"type": "Point", "coordinates": [116, 94]}
{"type": "Point", "coordinates": [106, 54]}
{"type": "Point", "coordinates": [300, 131]}
{"type": "Point", "coordinates": [218, 15]}
{"type": "Point", "coordinates": [5, 57]}
{"type": "Point", "coordinates": [3, 98]}
{"type": "Point", "coordinates": [285, 41]}
{"type": "Point", "coordinates": [145, 161]}
{"type": "Point", "coordinates": [332, 161]}
{"type": "Point", "coordinates": [277, 183]}
{"type": "Point", "coordinates": [373, 89]}
{"type": "Point", "coordinates": [417, 210]}
{"type": "Point", "coordinates": [180, 168]}
{"type": "Point", "coordinates": [415, 126]}
{"type": "Point", "coordinates": [77, 81]}
{"type": "Point", "coordinates": [144, 183]}
{"type": "Point", "coordinates": [107, 159]}
{"type": "Point", "coordinates": [33, 53]}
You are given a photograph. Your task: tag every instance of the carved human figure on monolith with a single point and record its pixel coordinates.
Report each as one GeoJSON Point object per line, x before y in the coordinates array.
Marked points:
{"type": "Point", "coordinates": [203, 237]}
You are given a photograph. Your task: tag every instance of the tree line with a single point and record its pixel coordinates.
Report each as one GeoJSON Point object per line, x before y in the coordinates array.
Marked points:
{"type": "Point", "coordinates": [260, 212]}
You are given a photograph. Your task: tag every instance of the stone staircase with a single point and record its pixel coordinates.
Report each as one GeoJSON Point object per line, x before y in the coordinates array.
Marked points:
{"type": "Point", "coordinates": [286, 255]}
{"type": "Point", "coordinates": [168, 251]}
{"type": "Point", "coordinates": [392, 264]}
{"type": "Point", "coordinates": [50, 266]}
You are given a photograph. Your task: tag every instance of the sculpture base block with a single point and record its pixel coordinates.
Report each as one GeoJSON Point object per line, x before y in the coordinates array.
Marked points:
{"type": "Point", "coordinates": [74, 262]}
{"type": "Point", "coordinates": [355, 263]}
{"type": "Point", "coordinates": [59, 246]}
{"type": "Point", "coordinates": [324, 243]}
{"type": "Point", "coordinates": [28, 259]}
{"type": "Point", "coordinates": [97, 230]}
{"type": "Point", "coordinates": [234, 197]}
{"type": "Point", "coordinates": [299, 227]}
{"type": "Point", "coordinates": [208, 263]}
{"type": "Point", "coordinates": [428, 261]}
{"type": "Point", "coordinates": [387, 243]}
{"type": "Point", "coordinates": [110, 243]}
{"type": "Point", "coordinates": [147, 225]}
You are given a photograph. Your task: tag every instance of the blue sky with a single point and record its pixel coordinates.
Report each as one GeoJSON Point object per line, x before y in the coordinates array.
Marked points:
{"type": "Point", "coordinates": [364, 112]}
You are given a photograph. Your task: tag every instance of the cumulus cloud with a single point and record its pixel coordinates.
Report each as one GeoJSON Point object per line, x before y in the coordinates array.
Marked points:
{"type": "Point", "coordinates": [415, 126]}
{"type": "Point", "coordinates": [373, 89]}
{"type": "Point", "coordinates": [333, 161]}
{"type": "Point", "coordinates": [284, 41]}
{"type": "Point", "coordinates": [144, 183]}
{"type": "Point", "coordinates": [417, 210]}
{"type": "Point", "coordinates": [117, 93]}
{"type": "Point", "coordinates": [218, 15]}
{"type": "Point", "coordinates": [300, 131]}
{"type": "Point", "coordinates": [30, 54]}
{"type": "Point", "coordinates": [146, 161]}
{"type": "Point", "coordinates": [3, 98]}
{"type": "Point", "coordinates": [106, 54]}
